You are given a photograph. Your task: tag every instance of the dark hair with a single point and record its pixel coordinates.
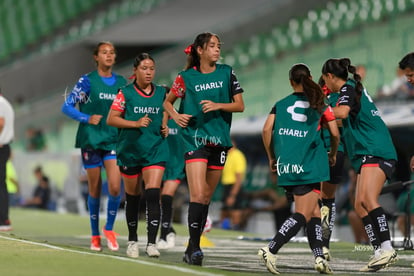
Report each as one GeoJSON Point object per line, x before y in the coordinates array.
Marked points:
{"type": "Point", "coordinates": [141, 57]}
{"type": "Point", "coordinates": [407, 61]}
{"type": "Point", "coordinates": [321, 81]}
{"type": "Point", "coordinates": [200, 41]}
{"type": "Point", "coordinates": [97, 47]}
{"type": "Point", "coordinates": [38, 169]}
{"type": "Point", "coordinates": [300, 74]}
{"type": "Point", "coordinates": [340, 68]}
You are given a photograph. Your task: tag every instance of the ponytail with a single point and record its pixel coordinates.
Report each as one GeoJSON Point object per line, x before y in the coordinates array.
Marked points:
{"type": "Point", "coordinates": [193, 60]}
{"type": "Point", "coordinates": [314, 94]}
{"type": "Point", "coordinates": [341, 69]}
{"type": "Point", "coordinates": [300, 74]}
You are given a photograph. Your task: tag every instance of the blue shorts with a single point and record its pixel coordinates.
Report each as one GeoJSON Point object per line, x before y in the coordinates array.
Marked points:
{"type": "Point", "coordinates": [93, 158]}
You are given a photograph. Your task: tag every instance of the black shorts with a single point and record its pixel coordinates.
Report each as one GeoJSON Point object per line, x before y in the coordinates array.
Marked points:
{"type": "Point", "coordinates": [336, 172]}
{"type": "Point", "coordinates": [387, 166]}
{"type": "Point", "coordinates": [238, 204]}
{"type": "Point", "coordinates": [301, 190]}
{"type": "Point", "coordinates": [215, 157]}
{"type": "Point", "coordinates": [131, 172]}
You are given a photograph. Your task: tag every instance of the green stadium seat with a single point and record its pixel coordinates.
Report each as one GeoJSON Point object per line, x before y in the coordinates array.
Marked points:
{"type": "Point", "coordinates": [281, 39]}
{"type": "Point", "coordinates": [124, 9]}
{"type": "Point", "coordinates": [99, 22]}
{"type": "Point", "coordinates": [71, 8]}
{"type": "Point", "coordinates": [55, 11]}
{"type": "Point", "coordinates": [136, 6]}
{"type": "Point", "coordinates": [85, 28]}
{"type": "Point", "coordinates": [112, 15]}
{"type": "Point", "coordinates": [270, 48]}
{"type": "Point", "coordinates": [73, 34]}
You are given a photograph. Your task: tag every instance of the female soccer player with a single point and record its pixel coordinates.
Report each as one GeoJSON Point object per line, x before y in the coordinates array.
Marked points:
{"type": "Point", "coordinates": [94, 93]}
{"type": "Point", "coordinates": [142, 150]}
{"type": "Point", "coordinates": [371, 151]}
{"type": "Point", "coordinates": [173, 176]}
{"type": "Point", "coordinates": [328, 188]}
{"type": "Point", "coordinates": [296, 152]}
{"type": "Point", "coordinates": [209, 94]}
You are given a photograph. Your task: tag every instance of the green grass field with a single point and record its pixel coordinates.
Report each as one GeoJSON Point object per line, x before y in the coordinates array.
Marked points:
{"type": "Point", "coordinates": [46, 243]}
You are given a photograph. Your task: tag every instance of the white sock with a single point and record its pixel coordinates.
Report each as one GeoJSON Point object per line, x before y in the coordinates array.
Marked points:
{"type": "Point", "coordinates": [377, 253]}
{"type": "Point", "coordinates": [386, 245]}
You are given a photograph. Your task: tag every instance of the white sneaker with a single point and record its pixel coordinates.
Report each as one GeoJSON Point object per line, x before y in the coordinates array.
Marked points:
{"type": "Point", "coordinates": [171, 239]}
{"type": "Point", "coordinates": [162, 244]}
{"type": "Point", "coordinates": [152, 250]}
{"type": "Point", "coordinates": [132, 249]}
{"type": "Point", "coordinates": [326, 253]}
{"type": "Point", "coordinates": [269, 259]}
{"type": "Point", "coordinates": [322, 266]}
{"type": "Point", "coordinates": [384, 259]}
{"type": "Point", "coordinates": [5, 228]}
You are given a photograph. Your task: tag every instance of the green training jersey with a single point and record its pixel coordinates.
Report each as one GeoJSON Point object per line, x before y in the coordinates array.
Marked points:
{"type": "Point", "coordinates": [212, 128]}
{"type": "Point", "coordinates": [101, 95]}
{"type": "Point", "coordinates": [365, 133]}
{"type": "Point", "coordinates": [142, 146]}
{"type": "Point", "coordinates": [301, 157]}
{"type": "Point", "coordinates": [175, 163]}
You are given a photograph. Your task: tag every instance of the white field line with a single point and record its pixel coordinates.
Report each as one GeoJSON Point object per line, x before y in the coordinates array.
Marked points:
{"type": "Point", "coordinates": [181, 269]}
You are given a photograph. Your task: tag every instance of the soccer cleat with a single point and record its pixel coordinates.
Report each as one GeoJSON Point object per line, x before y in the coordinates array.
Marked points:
{"type": "Point", "coordinates": [6, 226]}
{"type": "Point", "coordinates": [162, 244]}
{"type": "Point", "coordinates": [322, 266]}
{"type": "Point", "coordinates": [132, 249]}
{"type": "Point", "coordinates": [366, 268]}
{"type": "Point", "coordinates": [171, 239]}
{"type": "Point", "coordinates": [326, 231]}
{"type": "Point", "coordinates": [196, 258]}
{"type": "Point", "coordinates": [111, 239]}
{"type": "Point", "coordinates": [326, 253]}
{"type": "Point", "coordinates": [269, 259]}
{"type": "Point", "coordinates": [152, 250]}
{"type": "Point", "coordinates": [384, 259]}
{"type": "Point", "coordinates": [96, 243]}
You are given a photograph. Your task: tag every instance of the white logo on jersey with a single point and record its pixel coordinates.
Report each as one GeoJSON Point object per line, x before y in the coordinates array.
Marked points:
{"type": "Point", "coordinates": [297, 116]}
{"type": "Point", "coordinates": [205, 140]}
{"type": "Point", "coordinates": [207, 86]}
{"type": "Point", "coordinates": [293, 132]}
{"type": "Point", "coordinates": [106, 96]}
{"type": "Point", "coordinates": [173, 131]}
{"type": "Point", "coordinates": [282, 168]}
{"type": "Point", "coordinates": [146, 110]}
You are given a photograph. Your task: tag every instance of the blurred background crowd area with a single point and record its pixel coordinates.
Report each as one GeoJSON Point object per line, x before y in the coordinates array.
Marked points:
{"type": "Point", "coordinates": [46, 45]}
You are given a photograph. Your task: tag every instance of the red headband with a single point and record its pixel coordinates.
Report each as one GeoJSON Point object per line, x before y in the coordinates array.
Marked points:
{"type": "Point", "coordinates": [187, 50]}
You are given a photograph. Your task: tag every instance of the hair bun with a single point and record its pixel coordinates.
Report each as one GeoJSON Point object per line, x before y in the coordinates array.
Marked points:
{"type": "Point", "coordinates": [345, 62]}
